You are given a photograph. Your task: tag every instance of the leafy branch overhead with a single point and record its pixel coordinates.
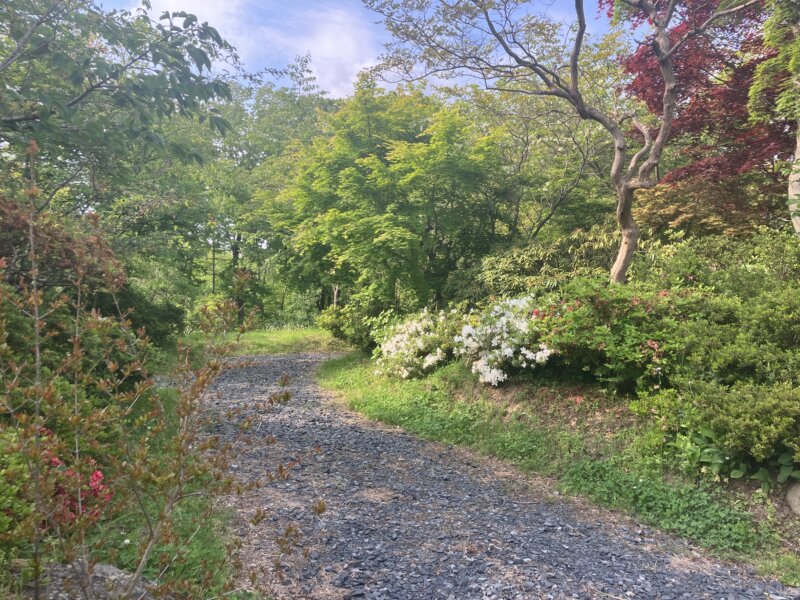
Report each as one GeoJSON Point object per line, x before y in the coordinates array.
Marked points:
{"type": "Point", "coordinates": [72, 74]}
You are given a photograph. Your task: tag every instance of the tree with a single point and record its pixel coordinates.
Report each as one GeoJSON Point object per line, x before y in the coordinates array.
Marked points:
{"type": "Point", "coordinates": [404, 195]}
{"type": "Point", "coordinates": [509, 48]}
{"type": "Point", "coordinates": [551, 162]}
{"type": "Point", "coordinates": [724, 172]}
{"type": "Point", "coordinates": [90, 86]}
{"type": "Point", "coordinates": [782, 71]}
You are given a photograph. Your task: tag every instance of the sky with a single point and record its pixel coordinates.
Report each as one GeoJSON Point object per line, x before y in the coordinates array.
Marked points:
{"type": "Point", "coordinates": [342, 36]}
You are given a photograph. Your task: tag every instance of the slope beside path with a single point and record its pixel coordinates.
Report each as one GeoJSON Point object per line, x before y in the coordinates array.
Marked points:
{"type": "Point", "coordinates": [405, 518]}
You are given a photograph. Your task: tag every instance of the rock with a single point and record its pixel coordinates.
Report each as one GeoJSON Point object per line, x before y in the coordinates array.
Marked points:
{"type": "Point", "coordinates": [66, 582]}
{"type": "Point", "coordinates": [793, 497]}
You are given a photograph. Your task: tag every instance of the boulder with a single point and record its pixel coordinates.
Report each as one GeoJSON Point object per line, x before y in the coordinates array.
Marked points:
{"type": "Point", "coordinates": [793, 497]}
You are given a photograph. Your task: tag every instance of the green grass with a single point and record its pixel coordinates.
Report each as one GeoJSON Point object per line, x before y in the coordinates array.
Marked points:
{"type": "Point", "coordinates": [257, 342]}
{"type": "Point", "coordinates": [449, 406]}
{"type": "Point", "coordinates": [288, 341]}
{"type": "Point", "coordinates": [200, 545]}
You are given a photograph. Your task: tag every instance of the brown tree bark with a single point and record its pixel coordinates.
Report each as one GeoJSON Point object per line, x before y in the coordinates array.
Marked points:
{"type": "Point", "coordinates": [630, 236]}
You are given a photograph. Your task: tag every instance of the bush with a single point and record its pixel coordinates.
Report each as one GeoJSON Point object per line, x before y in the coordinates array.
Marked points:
{"type": "Point", "coordinates": [506, 337]}
{"type": "Point", "coordinates": [615, 334]}
{"type": "Point", "coordinates": [753, 422]}
{"type": "Point", "coordinates": [14, 507]}
{"type": "Point", "coordinates": [162, 322]}
{"type": "Point", "coordinates": [355, 323]}
{"type": "Point", "coordinates": [419, 344]}
{"type": "Point", "coordinates": [708, 335]}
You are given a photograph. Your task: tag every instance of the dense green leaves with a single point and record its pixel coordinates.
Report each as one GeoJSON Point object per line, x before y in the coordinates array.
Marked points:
{"type": "Point", "coordinates": [90, 86]}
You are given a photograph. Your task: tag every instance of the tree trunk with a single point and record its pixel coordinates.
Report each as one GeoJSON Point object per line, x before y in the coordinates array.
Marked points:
{"type": "Point", "coordinates": [235, 251]}
{"type": "Point", "coordinates": [794, 185]}
{"type": "Point", "coordinates": [214, 264]}
{"type": "Point", "coordinates": [630, 235]}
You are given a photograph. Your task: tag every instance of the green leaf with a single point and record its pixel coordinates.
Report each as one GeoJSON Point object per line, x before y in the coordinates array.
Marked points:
{"type": "Point", "coordinates": [199, 57]}
{"type": "Point", "coordinates": [737, 473]}
{"type": "Point", "coordinates": [785, 472]}
{"type": "Point", "coordinates": [761, 475]}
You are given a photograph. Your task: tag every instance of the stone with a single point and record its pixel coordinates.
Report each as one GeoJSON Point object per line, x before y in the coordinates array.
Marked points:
{"type": "Point", "coordinates": [793, 497]}
{"type": "Point", "coordinates": [66, 582]}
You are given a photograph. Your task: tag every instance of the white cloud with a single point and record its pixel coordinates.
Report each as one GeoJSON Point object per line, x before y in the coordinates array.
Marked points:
{"type": "Point", "coordinates": [341, 43]}
{"type": "Point", "coordinates": [270, 33]}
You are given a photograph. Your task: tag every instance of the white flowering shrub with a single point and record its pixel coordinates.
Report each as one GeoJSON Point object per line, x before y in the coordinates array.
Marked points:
{"type": "Point", "coordinates": [504, 337]}
{"type": "Point", "coordinates": [419, 345]}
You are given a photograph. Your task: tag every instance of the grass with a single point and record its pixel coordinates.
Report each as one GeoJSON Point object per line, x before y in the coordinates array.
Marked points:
{"type": "Point", "coordinates": [585, 440]}
{"type": "Point", "coordinates": [257, 342]}
{"type": "Point", "coordinates": [288, 341]}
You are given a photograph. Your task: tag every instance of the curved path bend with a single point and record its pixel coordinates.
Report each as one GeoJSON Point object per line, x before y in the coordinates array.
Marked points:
{"type": "Point", "coordinates": [410, 519]}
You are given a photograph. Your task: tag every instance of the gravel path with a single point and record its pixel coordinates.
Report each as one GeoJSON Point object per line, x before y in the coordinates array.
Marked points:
{"type": "Point", "coordinates": [411, 519]}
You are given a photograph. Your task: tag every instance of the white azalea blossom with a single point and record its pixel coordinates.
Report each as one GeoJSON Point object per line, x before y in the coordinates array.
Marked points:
{"type": "Point", "coordinates": [503, 339]}
{"type": "Point", "coordinates": [418, 345]}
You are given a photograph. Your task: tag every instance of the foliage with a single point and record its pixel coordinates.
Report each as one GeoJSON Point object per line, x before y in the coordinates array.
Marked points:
{"type": "Point", "coordinates": [351, 324]}
{"type": "Point", "coordinates": [691, 512]}
{"type": "Point", "coordinates": [716, 139]}
{"type": "Point", "coordinates": [734, 430]}
{"type": "Point", "coordinates": [15, 508]}
{"type": "Point", "coordinates": [418, 344]}
{"type": "Point", "coordinates": [708, 337]}
{"type": "Point", "coordinates": [90, 85]}
{"type": "Point", "coordinates": [548, 263]}
{"type": "Point", "coordinates": [402, 196]}
{"type": "Point", "coordinates": [736, 205]}
{"type": "Point", "coordinates": [775, 81]}
{"type": "Point", "coordinates": [161, 322]}
{"type": "Point", "coordinates": [84, 421]}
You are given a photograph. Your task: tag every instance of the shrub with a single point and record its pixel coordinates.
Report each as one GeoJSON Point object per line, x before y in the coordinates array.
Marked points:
{"type": "Point", "coordinates": [14, 507]}
{"type": "Point", "coordinates": [349, 323]}
{"type": "Point", "coordinates": [752, 422]}
{"type": "Point", "coordinates": [708, 334]}
{"type": "Point", "coordinates": [622, 336]}
{"type": "Point", "coordinates": [507, 336]}
{"type": "Point", "coordinates": [161, 321]}
{"type": "Point", "coordinates": [419, 344]}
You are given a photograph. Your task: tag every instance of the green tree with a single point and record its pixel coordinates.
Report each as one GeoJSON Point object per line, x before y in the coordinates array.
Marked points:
{"type": "Point", "coordinates": [90, 86]}
{"type": "Point", "coordinates": [781, 74]}
{"type": "Point", "coordinates": [508, 47]}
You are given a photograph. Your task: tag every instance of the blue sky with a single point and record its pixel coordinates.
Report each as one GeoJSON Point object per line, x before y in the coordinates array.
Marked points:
{"type": "Point", "coordinates": [342, 36]}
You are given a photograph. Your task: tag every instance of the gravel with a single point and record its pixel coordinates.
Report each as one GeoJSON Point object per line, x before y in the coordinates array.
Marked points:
{"type": "Point", "coordinates": [406, 518]}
